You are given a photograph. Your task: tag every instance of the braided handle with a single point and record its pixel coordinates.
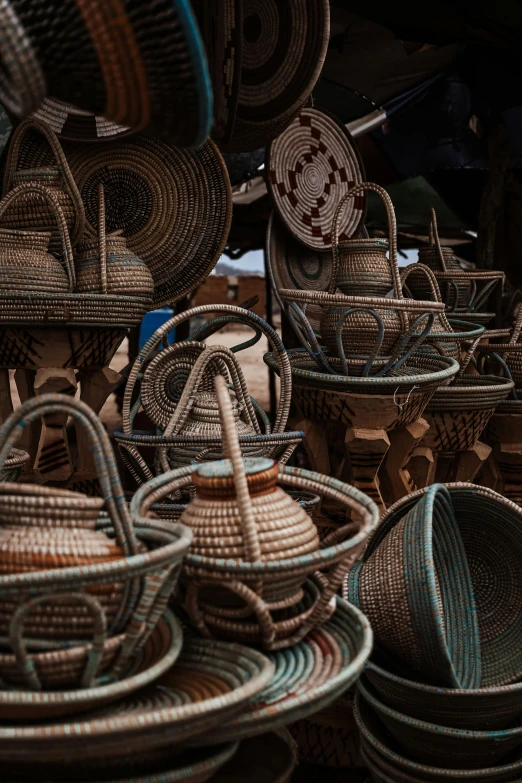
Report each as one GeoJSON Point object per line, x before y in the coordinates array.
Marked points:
{"type": "Point", "coordinates": [32, 123]}
{"type": "Point", "coordinates": [433, 284]}
{"type": "Point", "coordinates": [392, 226]}
{"type": "Point", "coordinates": [103, 238]}
{"type": "Point", "coordinates": [49, 196]}
{"type": "Point", "coordinates": [232, 450]}
{"type": "Point", "coordinates": [434, 238]}
{"type": "Point", "coordinates": [517, 327]}
{"type": "Point", "coordinates": [109, 478]}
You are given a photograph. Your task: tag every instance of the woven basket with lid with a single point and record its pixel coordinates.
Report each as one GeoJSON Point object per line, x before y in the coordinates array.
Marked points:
{"type": "Point", "coordinates": [32, 212]}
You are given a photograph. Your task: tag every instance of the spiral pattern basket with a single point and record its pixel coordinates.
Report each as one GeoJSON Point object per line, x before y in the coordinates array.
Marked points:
{"type": "Point", "coordinates": [309, 167]}
{"type": "Point", "coordinates": [495, 572]}
{"type": "Point", "coordinates": [76, 584]}
{"type": "Point", "coordinates": [174, 206]}
{"type": "Point", "coordinates": [148, 70]}
{"type": "Point", "coordinates": [283, 47]}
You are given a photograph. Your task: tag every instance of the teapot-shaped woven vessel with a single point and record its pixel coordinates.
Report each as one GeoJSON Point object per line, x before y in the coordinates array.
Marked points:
{"type": "Point", "coordinates": [248, 576]}
{"type": "Point", "coordinates": [32, 212]}
{"type": "Point", "coordinates": [105, 264]}
{"type": "Point", "coordinates": [79, 592]}
{"type": "Point", "coordinates": [25, 261]}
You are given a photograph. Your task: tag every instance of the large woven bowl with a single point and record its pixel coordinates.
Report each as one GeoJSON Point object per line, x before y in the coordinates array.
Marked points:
{"type": "Point", "coordinates": [442, 745]}
{"type": "Point", "coordinates": [387, 757]}
{"type": "Point", "coordinates": [491, 529]}
{"type": "Point", "coordinates": [494, 707]}
{"type": "Point", "coordinates": [415, 587]}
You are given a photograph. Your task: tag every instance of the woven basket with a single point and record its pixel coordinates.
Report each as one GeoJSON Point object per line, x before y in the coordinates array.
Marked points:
{"type": "Point", "coordinates": [73, 124]}
{"type": "Point", "coordinates": [32, 212]}
{"type": "Point", "coordinates": [459, 414]}
{"type": "Point", "coordinates": [438, 745]}
{"type": "Point", "coordinates": [505, 355]}
{"type": "Point", "coordinates": [14, 465]}
{"type": "Point", "coordinates": [253, 553]}
{"type": "Point", "coordinates": [283, 49]}
{"type": "Point", "coordinates": [23, 84]}
{"type": "Point", "coordinates": [96, 310]}
{"type": "Point", "coordinates": [416, 589]}
{"type": "Point", "coordinates": [104, 265]}
{"type": "Point", "coordinates": [137, 64]}
{"type": "Point", "coordinates": [494, 570]}
{"type": "Point", "coordinates": [387, 757]}
{"type": "Point", "coordinates": [87, 586]}
{"type": "Point", "coordinates": [25, 263]}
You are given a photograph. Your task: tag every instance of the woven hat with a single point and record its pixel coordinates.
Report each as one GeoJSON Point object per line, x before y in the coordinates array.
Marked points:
{"type": "Point", "coordinates": [309, 168]}
{"type": "Point", "coordinates": [174, 206]}
{"type": "Point", "coordinates": [283, 50]}
{"type": "Point", "coordinates": [221, 26]}
{"type": "Point", "coordinates": [415, 588]}
{"type": "Point", "coordinates": [139, 63]}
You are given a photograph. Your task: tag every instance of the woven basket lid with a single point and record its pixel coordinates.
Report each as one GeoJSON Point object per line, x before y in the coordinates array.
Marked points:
{"type": "Point", "coordinates": [141, 63]}
{"type": "Point", "coordinates": [309, 168]}
{"type": "Point", "coordinates": [174, 206]}
{"type": "Point", "coordinates": [283, 50]}
{"type": "Point", "coordinates": [221, 25]}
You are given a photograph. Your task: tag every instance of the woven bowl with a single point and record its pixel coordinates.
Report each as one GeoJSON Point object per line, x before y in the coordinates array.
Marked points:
{"type": "Point", "coordinates": [384, 753]}
{"type": "Point", "coordinates": [434, 744]}
{"type": "Point", "coordinates": [415, 588]}
{"type": "Point", "coordinates": [495, 571]}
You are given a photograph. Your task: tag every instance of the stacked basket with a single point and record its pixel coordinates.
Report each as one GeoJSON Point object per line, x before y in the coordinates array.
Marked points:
{"type": "Point", "coordinates": [442, 694]}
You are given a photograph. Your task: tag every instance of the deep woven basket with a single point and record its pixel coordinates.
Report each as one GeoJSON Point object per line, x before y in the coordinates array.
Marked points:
{"type": "Point", "coordinates": [438, 745]}
{"type": "Point", "coordinates": [416, 589]}
{"type": "Point", "coordinates": [495, 571]}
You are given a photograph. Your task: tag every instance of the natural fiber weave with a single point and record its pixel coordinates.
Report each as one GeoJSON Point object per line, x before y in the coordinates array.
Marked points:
{"type": "Point", "coordinates": [72, 309]}
{"type": "Point", "coordinates": [494, 570]}
{"type": "Point", "coordinates": [284, 44]}
{"type": "Point", "coordinates": [72, 124]}
{"type": "Point", "coordinates": [138, 64]}
{"type": "Point", "coordinates": [23, 83]}
{"type": "Point", "coordinates": [14, 465]}
{"type": "Point", "coordinates": [309, 168]}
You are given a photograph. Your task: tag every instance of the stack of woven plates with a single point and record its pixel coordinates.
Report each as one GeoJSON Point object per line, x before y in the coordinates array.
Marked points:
{"type": "Point", "coordinates": [441, 583]}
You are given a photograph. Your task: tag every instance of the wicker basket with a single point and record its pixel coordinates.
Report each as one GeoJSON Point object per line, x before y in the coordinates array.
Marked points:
{"type": "Point", "coordinates": [253, 553]}
{"type": "Point", "coordinates": [74, 583]}
{"type": "Point", "coordinates": [32, 212]}
{"type": "Point", "coordinates": [105, 266]}
{"type": "Point", "coordinates": [495, 572]}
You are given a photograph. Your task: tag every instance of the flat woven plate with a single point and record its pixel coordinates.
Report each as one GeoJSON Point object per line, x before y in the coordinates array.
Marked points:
{"type": "Point", "coordinates": [308, 677]}
{"type": "Point", "coordinates": [174, 206]}
{"type": "Point", "coordinates": [283, 50]}
{"type": "Point", "coordinates": [210, 682]}
{"type": "Point", "coordinates": [309, 168]}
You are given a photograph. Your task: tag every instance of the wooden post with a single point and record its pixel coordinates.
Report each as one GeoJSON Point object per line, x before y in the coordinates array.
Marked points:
{"type": "Point", "coordinates": [395, 477]}
{"type": "Point", "coordinates": [366, 450]}
{"type": "Point", "coordinates": [6, 403]}
{"type": "Point", "coordinates": [422, 466]}
{"type": "Point", "coordinates": [53, 460]}
{"type": "Point", "coordinates": [468, 463]}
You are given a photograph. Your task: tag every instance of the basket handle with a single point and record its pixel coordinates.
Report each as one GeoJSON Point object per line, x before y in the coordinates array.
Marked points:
{"type": "Point", "coordinates": [232, 450]}
{"type": "Point", "coordinates": [392, 227]}
{"type": "Point", "coordinates": [49, 196]}
{"type": "Point", "coordinates": [339, 338]}
{"type": "Point", "coordinates": [517, 327]}
{"type": "Point", "coordinates": [32, 410]}
{"type": "Point", "coordinates": [34, 124]}
{"type": "Point", "coordinates": [94, 656]}
{"type": "Point", "coordinates": [434, 238]}
{"type": "Point", "coordinates": [433, 284]}
{"type": "Point", "coordinates": [103, 238]}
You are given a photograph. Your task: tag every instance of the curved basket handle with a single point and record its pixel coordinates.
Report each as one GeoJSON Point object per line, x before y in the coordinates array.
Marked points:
{"type": "Point", "coordinates": [32, 410]}
{"type": "Point", "coordinates": [249, 319]}
{"type": "Point", "coordinates": [103, 238]}
{"type": "Point", "coordinates": [339, 337]}
{"type": "Point", "coordinates": [434, 238]}
{"type": "Point", "coordinates": [392, 226]}
{"type": "Point", "coordinates": [94, 656]}
{"type": "Point", "coordinates": [232, 450]}
{"type": "Point", "coordinates": [517, 326]}
{"type": "Point", "coordinates": [432, 282]}
{"type": "Point", "coordinates": [306, 335]}
{"type": "Point", "coordinates": [53, 202]}
{"type": "Point", "coordinates": [32, 123]}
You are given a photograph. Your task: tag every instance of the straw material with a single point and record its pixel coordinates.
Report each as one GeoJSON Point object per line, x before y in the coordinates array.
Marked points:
{"type": "Point", "coordinates": [72, 124]}
{"type": "Point", "coordinates": [210, 682]}
{"type": "Point", "coordinates": [23, 83]}
{"type": "Point", "coordinates": [284, 44]}
{"type": "Point", "coordinates": [416, 590]}
{"type": "Point", "coordinates": [72, 309]}
{"type": "Point", "coordinates": [14, 465]}
{"type": "Point", "coordinates": [310, 167]}
{"type": "Point", "coordinates": [138, 64]}
{"type": "Point", "coordinates": [495, 572]}
{"type": "Point", "coordinates": [388, 759]}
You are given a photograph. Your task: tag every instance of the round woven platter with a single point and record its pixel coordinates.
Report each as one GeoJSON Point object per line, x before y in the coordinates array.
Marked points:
{"type": "Point", "coordinates": [308, 676]}
{"type": "Point", "coordinates": [210, 682]}
{"type": "Point", "coordinates": [284, 45]}
{"type": "Point", "coordinates": [174, 206]}
{"type": "Point", "coordinates": [309, 168]}
{"type": "Point", "coordinates": [159, 654]}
